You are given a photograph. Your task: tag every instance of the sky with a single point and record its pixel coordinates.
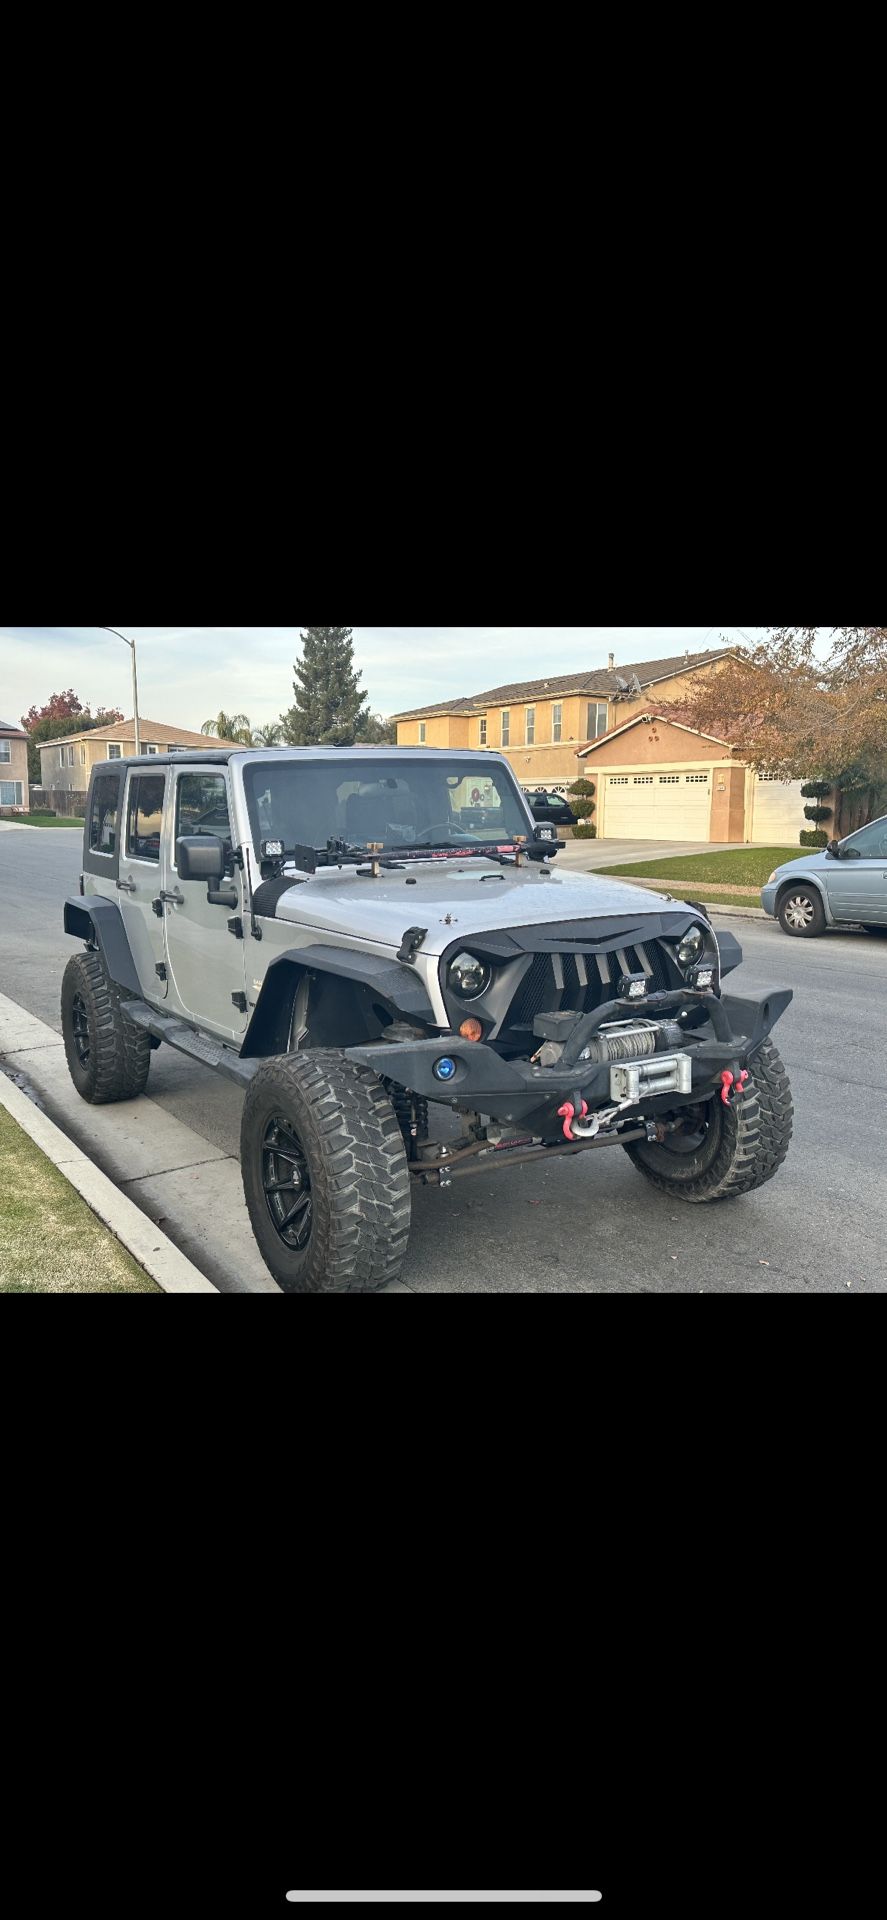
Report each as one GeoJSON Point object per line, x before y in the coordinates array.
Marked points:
{"type": "Point", "coordinates": [186, 674]}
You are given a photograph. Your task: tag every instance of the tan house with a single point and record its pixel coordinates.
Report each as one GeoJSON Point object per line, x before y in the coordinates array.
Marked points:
{"type": "Point", "coordinates": [541, 724]}
{"type": "Point", "coordinates": [13, 767]}
{"type": "Point", "coordinates": [65, 765]}
{"type": "Point", "coordinates": [657, 780]}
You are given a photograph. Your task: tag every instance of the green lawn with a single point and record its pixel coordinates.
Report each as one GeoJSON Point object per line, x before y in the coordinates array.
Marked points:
{"type": "Point", "coordinates": [50, 1240]}
{"type": "Point", "coordinates": [39, 820]}
{"type": "Point", "coordinates": [746, 867]}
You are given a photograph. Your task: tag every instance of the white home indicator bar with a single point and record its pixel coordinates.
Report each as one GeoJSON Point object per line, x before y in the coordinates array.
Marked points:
{"type": "Point", "coordinates": [381, 1897]}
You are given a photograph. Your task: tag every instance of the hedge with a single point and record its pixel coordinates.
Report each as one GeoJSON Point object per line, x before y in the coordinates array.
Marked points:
{"type": "Point", "coordinates": [816, 837]}
{"type": "Point", "coordinates": [817, 813]}
{"type": "Point", "coordinates": [585, 831]}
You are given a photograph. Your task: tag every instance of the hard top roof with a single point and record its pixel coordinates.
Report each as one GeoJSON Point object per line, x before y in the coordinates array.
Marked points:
{"type": "Point", "coordinates": [220, 756]}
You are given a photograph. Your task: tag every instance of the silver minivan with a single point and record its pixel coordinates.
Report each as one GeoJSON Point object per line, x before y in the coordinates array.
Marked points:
{"type": "Point", "coordinates": [843, 882]}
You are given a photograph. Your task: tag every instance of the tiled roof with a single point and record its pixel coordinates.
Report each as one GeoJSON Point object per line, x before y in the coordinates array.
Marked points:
{"type": "Point", "coordinates": [156, 731]}
{"type": "Point", "coordinates": [586, 681]}
{"type": "Point", "coordinates": [9, 727]}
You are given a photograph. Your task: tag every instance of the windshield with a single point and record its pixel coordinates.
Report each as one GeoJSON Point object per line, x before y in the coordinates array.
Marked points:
{"type": "Point", "coordinates": [399, 803]}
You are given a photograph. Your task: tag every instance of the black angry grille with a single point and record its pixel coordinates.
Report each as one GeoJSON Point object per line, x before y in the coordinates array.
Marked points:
{"type": "Point", "coordinates": [554, 981]}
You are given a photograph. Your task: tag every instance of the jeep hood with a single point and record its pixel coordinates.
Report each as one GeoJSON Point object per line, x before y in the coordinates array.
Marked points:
{"type": "Point", "coordinates": [477, 897]}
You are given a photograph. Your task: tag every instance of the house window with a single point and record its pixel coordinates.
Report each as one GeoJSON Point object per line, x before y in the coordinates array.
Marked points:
{"type": "Point", "coordinates": [421, 733]}
{"type": "Point", "coordinates": [152, 749]}
{"type": "Point", "coordinates": [483, 732]}
{"type": "Point", "coordinates": [619, 779]}
{"type": "Point", "coordinates": [557, 721]}
{"type": "Point", "coordinates": [669, 779]}
{"type": "Point", "coordinates": [531, 727]}
{"type": "Point", "coordinates": [5, 750]}
{"type": "Point", "coordinates": [10, 793]}
{"type": "Point", "coordinates": [506, 727]}
{"type": "Point", "coordinates": [696, 779]}
{"type": "Point", "coordinates": [643, 779]}
{"type": "Point", "coordinates": [114, 750]}
{"type": "Point", "coordinates": [596, 719]}
{"type": "Point", "coordinates": [70, 754]}
{"type": "Point", "coordinates": [83, 755]}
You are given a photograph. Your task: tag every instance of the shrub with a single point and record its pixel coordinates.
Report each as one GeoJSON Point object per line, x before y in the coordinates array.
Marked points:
{"type": "Point", "coordinates": [816, 837]}
{"type": "Point", "coordinates": [817, 813]}
{"type": "Point", "coordinates": [582, 806]}
{"type": "Point", "coordinates": [816, 789]}
{"type": "Point", "coordinates": [585, 831]}
{"type": "Point", "coordinates": [582, 786]}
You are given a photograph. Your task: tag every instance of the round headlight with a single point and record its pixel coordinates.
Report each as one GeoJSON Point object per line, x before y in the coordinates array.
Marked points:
{"type": "Point", "coordinates": [468, 976]}
{"type": "Point", "coordinates": [691, 946]}
{"type": "Point", "coordinates": [772, 878]}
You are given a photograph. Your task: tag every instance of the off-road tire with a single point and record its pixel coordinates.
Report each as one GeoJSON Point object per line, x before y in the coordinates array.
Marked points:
{"type": "Point", "coordinates": [812, 902]}
{"type": "Point", "coordinates": [119, 1053]}
{"type": "Point", "coordinates": [359, 1180]}
{"type": "Point", "coordinates": [745, 1144]}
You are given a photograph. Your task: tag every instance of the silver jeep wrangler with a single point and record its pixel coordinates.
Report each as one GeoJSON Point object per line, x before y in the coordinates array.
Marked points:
{"type": "Point", "coordinates": [359, 935]}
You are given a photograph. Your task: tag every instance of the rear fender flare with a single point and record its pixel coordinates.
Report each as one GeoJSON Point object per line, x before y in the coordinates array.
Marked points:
{"type": "Point", "coordinates": [100, 922]}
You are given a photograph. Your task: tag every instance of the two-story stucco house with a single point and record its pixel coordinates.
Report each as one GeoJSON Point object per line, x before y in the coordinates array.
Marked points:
{"type": "Point", "coordinates": [65, 765]}
{"type": "Point", "coordinates": [13, 767]}
{"type": "Point", "coordinates": [653, 778]}
{"type": "Point", "coordinates": [540, 724]}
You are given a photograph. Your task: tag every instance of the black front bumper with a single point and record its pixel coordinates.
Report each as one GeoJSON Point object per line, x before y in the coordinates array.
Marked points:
{"type": "Point", "coordinates": [515, 1090]}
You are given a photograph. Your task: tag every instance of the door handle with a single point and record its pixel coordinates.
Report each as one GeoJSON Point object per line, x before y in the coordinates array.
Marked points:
{"type": "Point", "coordinates": [177, 898]}
{"type": "Point", "coordinates": [127, 886]}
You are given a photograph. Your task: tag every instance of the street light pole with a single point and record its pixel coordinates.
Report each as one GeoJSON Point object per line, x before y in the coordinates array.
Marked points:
{"type": "Point", "coordinates": [135, 685]}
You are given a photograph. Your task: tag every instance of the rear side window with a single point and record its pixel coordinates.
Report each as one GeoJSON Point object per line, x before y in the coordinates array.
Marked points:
{"type": "Point", "coordinates": [103, 815]}
{"type": "Point", "coordinates": [144, 816]}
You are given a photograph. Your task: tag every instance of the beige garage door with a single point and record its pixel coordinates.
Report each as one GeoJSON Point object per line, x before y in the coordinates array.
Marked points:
{"type": "Point", "coordinates": [658, 806]}
{"type": "Point", "coordinates": [777, 811]}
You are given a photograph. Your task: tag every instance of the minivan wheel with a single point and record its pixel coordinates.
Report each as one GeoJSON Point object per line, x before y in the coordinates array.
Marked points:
{"type": "Point", "coordinates": [800, 912]}
{"type": "Point", "coordinates": [325, 1174]}
{"type": "Point", "coordinates": [108, 1057]}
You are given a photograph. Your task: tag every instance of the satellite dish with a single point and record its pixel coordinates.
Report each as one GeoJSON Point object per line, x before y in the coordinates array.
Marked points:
{"type": "Point", "coordinates": [621, 684]}
{"type": "Point", "coordinates": [635, 684]}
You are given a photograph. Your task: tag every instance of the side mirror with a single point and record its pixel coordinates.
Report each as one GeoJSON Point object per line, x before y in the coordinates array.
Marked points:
{"type": "Point", "coordinates": [834, 848]}
{"type": "Point", "coordinates": [200, 856]}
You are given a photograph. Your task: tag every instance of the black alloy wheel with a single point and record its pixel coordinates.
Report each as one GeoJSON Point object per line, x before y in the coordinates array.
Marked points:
{"type": "Point", "coordinates": [286, 1181]}
{"type": "Point", "coordinates": [80, 1029]}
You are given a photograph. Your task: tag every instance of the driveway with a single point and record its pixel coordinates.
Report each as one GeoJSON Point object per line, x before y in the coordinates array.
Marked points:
{"type": "Point", "coordinates": [585, 855]}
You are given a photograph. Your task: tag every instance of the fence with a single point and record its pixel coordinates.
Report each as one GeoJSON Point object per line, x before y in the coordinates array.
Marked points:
{"type": "Point", "coordinates": [53, 800]}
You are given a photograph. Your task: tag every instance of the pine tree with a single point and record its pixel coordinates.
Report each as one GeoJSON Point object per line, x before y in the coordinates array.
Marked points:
{"type": "Point", "coordinates": [330, 710]}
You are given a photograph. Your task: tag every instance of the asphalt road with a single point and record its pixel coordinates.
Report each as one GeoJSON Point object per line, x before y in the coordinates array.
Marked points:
{"type": "Point", "coordinates": [592, 1224]}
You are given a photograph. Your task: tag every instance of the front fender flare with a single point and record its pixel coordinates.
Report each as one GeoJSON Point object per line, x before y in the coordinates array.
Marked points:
{"type": "Point", "coordinates": [398, 987]}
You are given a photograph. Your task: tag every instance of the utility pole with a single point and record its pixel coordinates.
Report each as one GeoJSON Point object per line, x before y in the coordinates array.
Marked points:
{"type": "Point", "coordinates": [135, 685]}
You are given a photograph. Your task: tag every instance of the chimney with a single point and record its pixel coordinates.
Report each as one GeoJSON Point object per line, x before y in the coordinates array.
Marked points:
{"type": "Point", "coordinates": [611, 661]}
{"type": "Point", "coordinates": [686, 656]}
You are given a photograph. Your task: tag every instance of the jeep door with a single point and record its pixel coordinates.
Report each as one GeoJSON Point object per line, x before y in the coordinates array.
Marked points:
{"type": "Point", "coordinates": [204, 959]}
{"type": "Point", "coordinates": [138, 880]}
{"type": "Point", "coordinates": [856, 883]}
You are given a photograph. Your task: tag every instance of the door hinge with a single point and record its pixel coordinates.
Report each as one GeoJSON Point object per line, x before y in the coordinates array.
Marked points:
{"type": "Point", "coordinates": [157, 907]}
{"type": "Point", "coordinates": [160, 970]}
{"type": "Point", "coordinates": [239, 1001]}
{"type": "Point", "coordinates": [235, 926]}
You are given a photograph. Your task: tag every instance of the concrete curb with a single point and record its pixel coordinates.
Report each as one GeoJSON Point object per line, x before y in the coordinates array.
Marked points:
{"type": "Point", "coordinates": [147, 1244]}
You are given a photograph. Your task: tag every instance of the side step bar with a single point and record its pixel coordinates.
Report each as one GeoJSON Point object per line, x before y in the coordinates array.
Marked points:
{"type": "Point", "coordinates": [198, 1046]}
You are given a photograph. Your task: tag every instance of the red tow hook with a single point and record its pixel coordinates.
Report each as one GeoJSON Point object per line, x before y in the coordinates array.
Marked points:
{"type": "Point", "coordinates": [567, 1113]}
{"type": "Point", "coordinates": [730, 1087]}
